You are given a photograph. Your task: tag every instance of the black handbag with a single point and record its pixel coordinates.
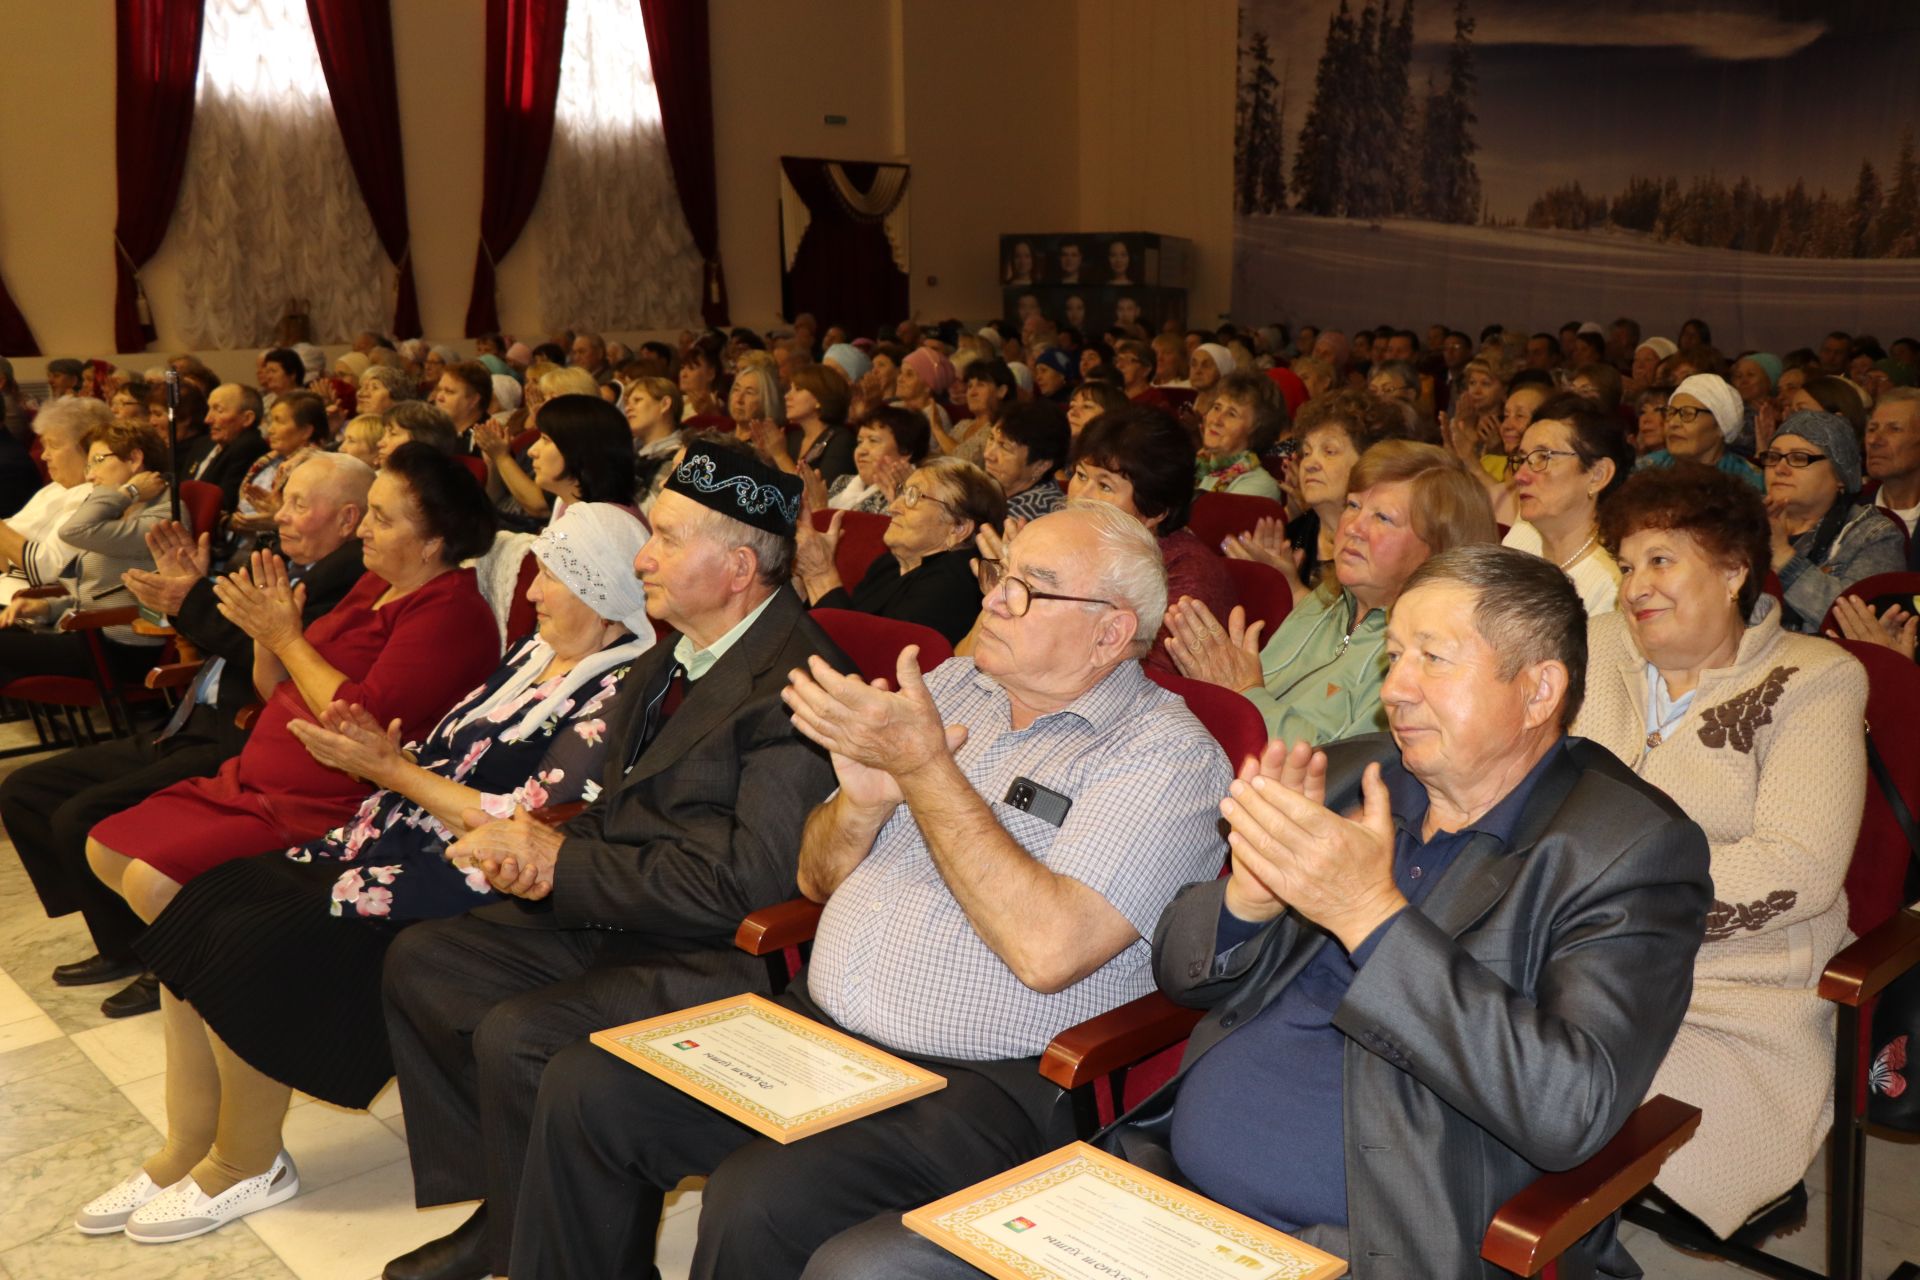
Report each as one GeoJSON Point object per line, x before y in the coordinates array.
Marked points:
{"type": "Point", "coordinates": [1893, 1074]}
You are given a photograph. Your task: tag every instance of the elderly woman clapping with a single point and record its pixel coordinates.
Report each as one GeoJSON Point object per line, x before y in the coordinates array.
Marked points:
{"type": "Point", "coordinates": [1824, 538]}
{"type": "Point", "coordinates": [306, 928]}
{"type": "Point", "coordinates": [1756, 733]}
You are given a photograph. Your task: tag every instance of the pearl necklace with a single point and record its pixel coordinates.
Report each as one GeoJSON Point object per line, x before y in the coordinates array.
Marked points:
{"type": "Point", "coordinates": [1591, 538]}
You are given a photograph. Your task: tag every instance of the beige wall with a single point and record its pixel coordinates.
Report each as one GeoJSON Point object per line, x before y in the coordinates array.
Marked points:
{"type": "Point", "coordinates": [1097, 114]}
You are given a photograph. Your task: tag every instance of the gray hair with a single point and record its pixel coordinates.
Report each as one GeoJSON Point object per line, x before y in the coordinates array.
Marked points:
{"type": "Point", "coordinates": [348, 479]}
{"type": "Point", "coordinates": [1899, 395]}
{"type": "Point", "coordinates": [1524, 607]}
{"type": "Point", "coordinates": [1131, 572]}
{"type": "Point", "coordinates": [446, 353]}
{"type": "Point", "coordinates": [414, 349]}
{"type": "Point", "coordinates": [398, 382]}
{"type": "Point", "coordinates": [1400, 371]}
{"type": "Point", "coordinates": [773, 405]}
{"type": "Point", "coordinates": [772, 552]}
{"type": "Point", "coordinates": [68, 419]}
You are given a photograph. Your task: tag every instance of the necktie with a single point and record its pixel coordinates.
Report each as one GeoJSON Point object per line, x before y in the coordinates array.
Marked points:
{"type": "Point", "coordinates": [659, 709]}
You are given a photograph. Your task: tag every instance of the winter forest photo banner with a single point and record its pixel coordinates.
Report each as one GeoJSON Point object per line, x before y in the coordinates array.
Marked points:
{"type": "Point", "coordinates": [1512, 161]}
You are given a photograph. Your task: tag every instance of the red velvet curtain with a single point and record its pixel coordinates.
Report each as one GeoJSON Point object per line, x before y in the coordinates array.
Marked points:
{"type": "Point", "coordinates": [16, 339]}
{"type": "Point", "coordinates": [524, 39]}
{"type": "Point", "coordinates": [158, 63]}
{"type": "Point", "coordinates": [843, 267]}
{"type": "Point", "coordinates": [677, 45]}
{"type": "Point", "coordinates": [355, 40]}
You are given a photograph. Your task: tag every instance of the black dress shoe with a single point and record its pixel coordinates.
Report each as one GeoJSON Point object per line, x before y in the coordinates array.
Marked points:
{"type": "Point", "coordinates": [95, 968]}
{"type": "Point", "coordinates": [142, 995]}
{"type": "Point", "coordinates": [459, 1255]}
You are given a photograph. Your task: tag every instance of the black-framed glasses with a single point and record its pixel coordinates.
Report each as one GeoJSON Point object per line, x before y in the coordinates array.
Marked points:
{"type": "Point", "coordinates": [1684, 414]}
{"type": "Point", "coordinates": [1798, 459]}
{"type": "Point", "coordinates": [1021, 595]}
{"type": "Point", "coordinates": [1538, 459]}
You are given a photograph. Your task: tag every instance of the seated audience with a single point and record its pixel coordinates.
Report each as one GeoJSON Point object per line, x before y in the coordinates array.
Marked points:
{"type": "Point", "coordinates": [235, 414]}
{"type": "Point", "coordinates": [1024, 450]}
{"type": "Point", "coordinates": [1754, 376]}
{"type": "Point", "coordinates": [62, 428]}
{"type": "Point", "coordinates": [1703, 416]}
{"type": "Point", "coordinates": [308, 927]}
{"type": "Point", "coordinates": [409, 638]}
{"type": "Point", "coordinates": [190, 439]}
{"type": "Point", "coordinates": [1091, 399]}
{"type": "Point", "coordinates": [1381, 929]}
{"type": "Point", "coordinates": [755, 398]}
{"type": "Point", "coordinates": [1054, 373]}
{"type": "Point", "coordinates": [922, 380]}
{"type": "Point", "coordinates": [48, 806]}
{"type": "Point", "coordinates": [583, 453]}
{"type": "Point", "coordinates": [653, 419]}
{"type": "Point", "coordinates": [989, 387]}
{"type": "Point", "coordinates": [1472, 429]}
{"type": "Point", "coordinates": [1573, 455]}
{"type": "Point", "coordinates": [699, 382]}
{"type": "Point", "coordinates": [926, 577]}
{"type": "Point", "coordinates": [1133, 360]}
{"type": "Point", "coordinates": [630, 909]}
{"type": "Point", "coordinates": [1333, 432]}
{"type": "Point", "coordinates": [279, 371]}
{"type": "Point", "coordinates": [1825, 537]}
{"type": "Point", "coordinates": [1207, 363]}
{"type": "Point", "coordinates": [1893, 454]}
{"type": "Point", "coordinates": [816, 437]}
{"type": "Point", "coordinates": [1247, 415]}
{"type": "Point", "coordinates": [361, 440]}
{"type": "Point", "coordinates": [104, 535]}
{"type": "Point", "coordinates": [1140, 460]}
{"type": "Point", "coordinates": [416, 421]}
{"type": "Point", "coordinates": [297, 420]}
{"type": "Point", "coordinates": [1317, 679]}
{"type": "Point", "coordinates": [889, 444]}
{"type": "Point", "coordinates": [1755, 733]}
{"type": "Point", "coordinates": [1003, 928]}
{"type": "Point", "coordinates": [1827, 395]}
{"type": "Point", "coordinates": [463, 391]}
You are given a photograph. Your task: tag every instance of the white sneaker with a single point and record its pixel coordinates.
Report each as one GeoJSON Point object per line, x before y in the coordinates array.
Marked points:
{"type": "Point", "coordinates": [183, 1211]}
{"type": "Point", "coordinates": [108, 1212]}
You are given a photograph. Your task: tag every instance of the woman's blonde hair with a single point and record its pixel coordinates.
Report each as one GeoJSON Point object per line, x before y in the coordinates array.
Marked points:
{"type": "Point", "coordinates": [365, 430]}
{"type": "Point", "coordinates": [1449, 508]}
{"type": "Point", "coordinates": [661, 389]}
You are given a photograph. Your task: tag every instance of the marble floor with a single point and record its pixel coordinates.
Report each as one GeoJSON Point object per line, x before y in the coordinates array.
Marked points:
{"type": "Point", "coordinates": [81, 1103]}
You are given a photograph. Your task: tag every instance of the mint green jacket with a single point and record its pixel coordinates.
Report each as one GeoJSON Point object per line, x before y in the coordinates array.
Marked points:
{"type": "Point", "coordinates": [1321, 674]}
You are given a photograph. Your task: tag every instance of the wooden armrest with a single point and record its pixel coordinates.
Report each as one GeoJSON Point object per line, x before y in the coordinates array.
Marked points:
{"type": "Point", "coordinates": [94, 619]}
{"type": "Point", "coordinates": [1857, 974]}
{"type": "Point", "coordinates": [556, 814]}
{"type": "Point", "coordinates": [1556, 1209]}
{"type": "Point", "coordinates": [142, 627]}
{"type": "Point", "coordinates": [49, 592]}
{"type": "Point", "coordinates": [775, 928]}
{"type": "Point", "coordinates": [1117, 1038]}
{"type": "Point", "coordinates": [173, 675]}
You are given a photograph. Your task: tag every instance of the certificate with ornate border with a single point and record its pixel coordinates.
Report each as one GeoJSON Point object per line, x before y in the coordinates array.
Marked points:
{"type": "Point", "coordinates": [767, 1067]}
{"type": "Point", "coordinates": [1081, 1214]}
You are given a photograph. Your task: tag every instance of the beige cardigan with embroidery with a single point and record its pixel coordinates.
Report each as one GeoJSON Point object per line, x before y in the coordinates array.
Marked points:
{"type": "Point", "coordinates": [1770, 760]}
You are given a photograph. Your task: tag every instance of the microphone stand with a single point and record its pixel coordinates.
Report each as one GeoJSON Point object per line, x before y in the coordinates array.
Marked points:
{"type": "Point", "coordinates": [173, 438]}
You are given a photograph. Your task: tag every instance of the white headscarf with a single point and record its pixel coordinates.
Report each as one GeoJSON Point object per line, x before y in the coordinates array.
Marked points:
{"type": "Point", "coordinates": [590, 547]}
{"type": "Point", "coordinates": [1715, 392]}
{"type": "Point", "coordinates": [1222, 358]}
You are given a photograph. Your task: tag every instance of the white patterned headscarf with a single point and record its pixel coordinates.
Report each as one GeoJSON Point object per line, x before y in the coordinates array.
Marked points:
{"type": "Point", "coordinates": [590, 548]}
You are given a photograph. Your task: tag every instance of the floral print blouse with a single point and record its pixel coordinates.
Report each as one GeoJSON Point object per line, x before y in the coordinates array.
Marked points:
{"type": "Point", "coordinates": [395, 849]}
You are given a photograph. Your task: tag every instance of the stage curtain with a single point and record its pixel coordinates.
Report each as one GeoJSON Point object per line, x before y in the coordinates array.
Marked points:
{"type": "Point", "coordinates": [677, 43]}
{"type": "Point", "coordinates": [522, 79]}
{"type": "Point", "coordinates": [840, 262]}
{"type": "Point", "coordinates": [158, 62]}
{"type": "Point", "coordinates": [355, 40]}
{"type": "Point", "coordinates": [16, 339]}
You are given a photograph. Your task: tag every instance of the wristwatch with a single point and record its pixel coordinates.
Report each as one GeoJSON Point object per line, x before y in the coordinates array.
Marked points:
{"type": "Point", "coordinates": [131, 489]}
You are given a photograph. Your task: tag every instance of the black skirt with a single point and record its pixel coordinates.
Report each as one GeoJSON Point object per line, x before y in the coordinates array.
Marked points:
{"type": "Point", "coordinates": [290, 987]}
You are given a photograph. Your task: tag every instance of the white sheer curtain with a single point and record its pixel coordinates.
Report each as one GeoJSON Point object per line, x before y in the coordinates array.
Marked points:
{"type": "Point", "coordinates": [269, 210]}
{"type": "Point", "coordinates": [615, 249]}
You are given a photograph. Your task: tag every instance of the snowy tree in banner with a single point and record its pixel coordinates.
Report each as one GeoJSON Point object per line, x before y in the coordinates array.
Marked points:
{"type": "Point", "coordinates": [1449, 180]}
{"type": "Point", "coordinates": [1260, 183]}
{"type": "Point", "coordinates": [1899, 231]}
{"type": "Point", "coordinates": [1866, 207]}
{"type": "Point", "coordinates": [1396, 104]}
{"type": "Point", "coordinates": [1321, 153]}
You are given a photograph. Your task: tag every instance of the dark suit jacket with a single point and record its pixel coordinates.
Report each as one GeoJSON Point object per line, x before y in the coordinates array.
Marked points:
{"type": "Point", "coordinates": [327, 580]}
{"type": "Point", "coordinates": [1508, 1025]}
{"type": "Point", "coordinates": [705, 828]}
{"type": "Point", "coordinates": [229, 469]}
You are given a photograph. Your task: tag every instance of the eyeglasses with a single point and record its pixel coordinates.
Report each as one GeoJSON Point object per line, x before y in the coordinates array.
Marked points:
{"type": "Point", "coordinates": [1798, 459]}
{"type": "Point", "coordinates": [911, 495]}
{"type": "Point", "coordinates": [1538, 459]}
{"type": "Point", "coordinates": [1685, 414]}
{"type": "Point", "coordinates": [99, 459]}
{"type": "Point", "coordinates": [1021, 594]}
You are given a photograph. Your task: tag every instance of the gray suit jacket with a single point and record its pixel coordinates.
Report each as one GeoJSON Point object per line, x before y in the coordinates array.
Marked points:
{"type": "Point", "coordinates": [705, 828]}
{"type": "Point", "coordinates": [1507, 1026]}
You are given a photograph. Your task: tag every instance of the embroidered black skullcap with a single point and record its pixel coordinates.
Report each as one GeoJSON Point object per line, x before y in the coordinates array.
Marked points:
{"type": "Point", "coordinates": [741, 486]}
